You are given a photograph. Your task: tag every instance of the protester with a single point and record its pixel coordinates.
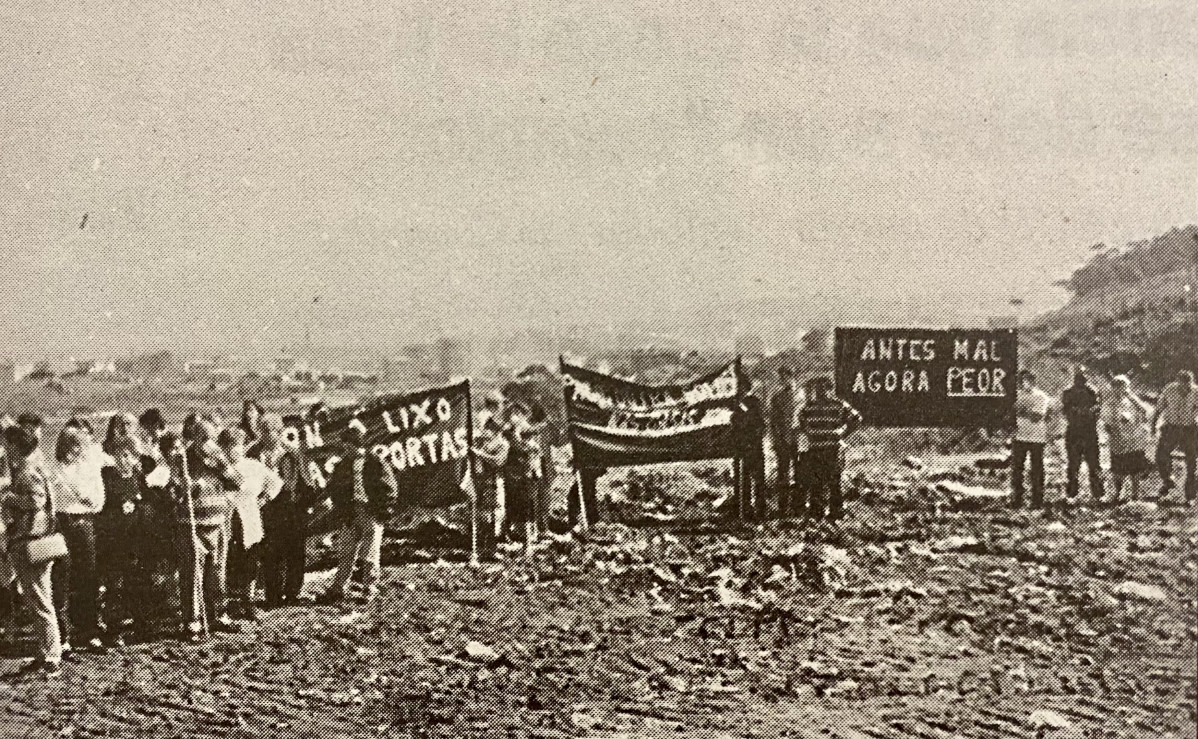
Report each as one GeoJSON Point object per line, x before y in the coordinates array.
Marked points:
{"type": "Point", "coordinates": [125, 534]}
{"type": "Point", "coordinates": [362, 488]}
{"type": "Point", "coordinates": [30, 506]}
{"type": "Point", "coordinates": [748, 429]}
{"type": "Point", "coordinates": [1031, 434]}
{"type": "Point", "coordinates": [783, 422]}
{"type": "Point", "coordinates": [1126, 420]}
{"type": "Point", "coordinates": [259, 484]}
{"type": "Point", "coordinates": [251, 417]}
{"type": "Point", "coordinates": [827, 421]}
{"type": "Point", "coordinates": [490, 459]}
{"type": "Point", "coordinates": [541, 468]}
{"type": "Point", "coordinates": [283, 517]}
{"type": "Point", "coordinates": [1081, 406]}
{"type": "Point", "coordinates": [1177, 415]}
{"type": "Point", "coordinates": [201, 478]}
{"type": "Point", "coordinates": [518, 473]}
{"type": "Point", "coordinates": [121, 426]}
{"type": "Point", "coordinates": [78, 497]}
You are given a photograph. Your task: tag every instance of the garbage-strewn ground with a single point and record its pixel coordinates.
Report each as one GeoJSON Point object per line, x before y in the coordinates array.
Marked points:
{"type": "Point", "coordinates": [930, 612]}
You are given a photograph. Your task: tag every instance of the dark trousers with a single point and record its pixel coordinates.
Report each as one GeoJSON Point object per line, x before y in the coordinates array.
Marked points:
{"type": "Point", "coordinates": [751, 485]}
{"type": "Point", "coordinates": [1079, 449]}
{"type": "Point", "coordinates": [283, 552]}
{"type": "Point", "coordinates": [243, 566]}
{"type": "Point", "coordinates": [1184, 438]}
{"type": "Point", "coordinates": [823, 468]}
{"type": "Point", "coordinates": [788, 470]}
{"type": "Point", "coordinates": [1020, 452]}
{"type": "Point", "coordinates": [75, 582]}
{"type": "Point", "coordinates": [586, 496]}
{"type": "Point", "coordinates": [488, 500]}
{"type": "Point", "coordinates": [124, 567]}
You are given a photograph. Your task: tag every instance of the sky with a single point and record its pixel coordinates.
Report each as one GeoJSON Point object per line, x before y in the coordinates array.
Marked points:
{"type": "Point", "coordinates": [183, 173]}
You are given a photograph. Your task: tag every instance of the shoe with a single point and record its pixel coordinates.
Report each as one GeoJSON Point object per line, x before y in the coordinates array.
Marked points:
{"type": "Point", "coordinates": [51, 669]}
{"type": "Point", "coordinates": [193, 631]}
{"type": "Point", "coordinates": [252, 614]}
{"type": "Point", "coordinates": [66, 647]}
{"type": "Point", "coordinates": [95, 644]}
{"type": "Point", "coordinates": [224, 625]}
{"type": "Point", "coordinates": [330, 597]}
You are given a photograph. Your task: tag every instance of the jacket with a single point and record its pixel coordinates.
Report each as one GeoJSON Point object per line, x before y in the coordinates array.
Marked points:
{"type": "Point", "coordinates": [783, 414]}
{"type": "Point", "coordinates": [378, 480]}
{"type": "Point", "coordinates": [31, 501]}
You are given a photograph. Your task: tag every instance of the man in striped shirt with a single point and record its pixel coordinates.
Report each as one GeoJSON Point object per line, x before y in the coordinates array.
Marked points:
{"type": "Point", "coordinates": [827, 421]}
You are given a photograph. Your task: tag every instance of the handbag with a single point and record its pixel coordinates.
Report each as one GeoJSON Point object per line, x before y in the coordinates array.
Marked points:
{"type": "Point", "coordinates": [41, 549]}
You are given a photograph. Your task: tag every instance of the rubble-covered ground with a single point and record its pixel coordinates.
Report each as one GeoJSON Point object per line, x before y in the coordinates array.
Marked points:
{"type": "Point", "coordinates": [932, 611]}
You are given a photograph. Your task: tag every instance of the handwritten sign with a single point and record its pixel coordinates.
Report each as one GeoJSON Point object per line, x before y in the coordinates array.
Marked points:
{"type": "Point", "coordinates": [928, 378]}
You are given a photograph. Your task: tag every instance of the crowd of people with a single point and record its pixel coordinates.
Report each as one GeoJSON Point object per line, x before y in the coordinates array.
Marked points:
{"type": "Point", "coordinates": [86, 529]}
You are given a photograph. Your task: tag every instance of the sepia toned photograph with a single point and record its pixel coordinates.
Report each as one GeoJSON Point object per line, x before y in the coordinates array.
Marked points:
{"type": "Point", "coordinates": [565, 370]}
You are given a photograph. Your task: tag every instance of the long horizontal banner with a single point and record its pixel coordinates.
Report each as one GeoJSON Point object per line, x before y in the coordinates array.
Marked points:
{"type": "Point", "coordinates": [615, 422]}
{"type": "Point", "coordinates": [425, 436]}
{"type": "Point", "coordinates": [929, 378]}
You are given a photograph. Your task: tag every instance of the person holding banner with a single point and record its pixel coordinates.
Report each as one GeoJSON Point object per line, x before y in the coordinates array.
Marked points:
{"type": "Point", "coordinates": [783, 420]}
{"type": "Point", "coordinates": [827, 421]}
{"type": "Point", "coordinates": [490, 459]}
{"type": "Point", "coordinates": [362, 488]}
{"type": "Point", "coordinates": [749, 431]}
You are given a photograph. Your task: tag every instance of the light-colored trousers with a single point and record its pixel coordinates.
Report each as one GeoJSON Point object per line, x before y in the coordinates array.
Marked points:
{"type": "Point", "coordinates": [360, 540]}
{"type": "Point", "coordinates": [39, 596]}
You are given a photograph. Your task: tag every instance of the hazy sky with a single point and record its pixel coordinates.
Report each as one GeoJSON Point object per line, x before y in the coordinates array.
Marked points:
{"type": "Point", "coordinates": [426, 165]}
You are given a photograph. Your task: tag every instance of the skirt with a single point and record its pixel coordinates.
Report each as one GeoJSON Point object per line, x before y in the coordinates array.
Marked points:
{"type": "Point", "coordinates": [1130, 464]}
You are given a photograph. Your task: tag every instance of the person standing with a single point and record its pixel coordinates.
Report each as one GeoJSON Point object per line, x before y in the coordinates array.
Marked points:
{"type": "Point", "coordinates": [201, 480]}
{"type": "Point", "coordinates": [123, 546]}
{"type": "Point", "coordinates": [363, 490]}
{"type": "Point", "coordinates": [827, 421]}
{"type": "Point", "coordinates": [748, 428]}
{"type": "Point", "coordinates": [1031, 435]}
{"type": "Point", "coordinates": [783, 422]}
{"type": "Point", "coordinates": [259, 485]}
{"type": "Point", "coordinates": [78, 497]}
{"type": "Point", "coordinates": [1125, 418]}
{"type": "Point", "coordinates": [251, 417]}
{"type": "Point", "coordinates": [283, 517]}
{"type": "Point", "coordinates": [1081, 407]}
{"type": "Point", "coordinates": [1177, 415]}
{"type": "Point", "coordinates": [490, 459]}
{"type": "Point", "coordinates": [518, 475]}
{"type": "Point", "coordinates": [30, 505]}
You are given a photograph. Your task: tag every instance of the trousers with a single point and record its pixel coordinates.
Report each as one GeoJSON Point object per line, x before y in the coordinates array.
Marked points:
{"type": "Point", "coordinates": [824, 468]}
{"type": "Point", "coordinates": [1184, 438]}
{"type": "Point", "coordinates": [1079, 449]}
{"type": "Point", "coordinates": [76, 582]}
{"type": "Point", "coordinates": [359, 542]}
{"type": "Point", "coordinates": [202, 573]}
{"type": "Point", "coordinates": [284, 554]}
{"type": "Point", "coordinates": [38, 591]}
{"type": "Point", "coordinates": [1021, 451]}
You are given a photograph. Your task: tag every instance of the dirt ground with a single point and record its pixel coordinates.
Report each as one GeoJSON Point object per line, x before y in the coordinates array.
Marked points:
{"type": "Point", "coordinates": [924, 614]}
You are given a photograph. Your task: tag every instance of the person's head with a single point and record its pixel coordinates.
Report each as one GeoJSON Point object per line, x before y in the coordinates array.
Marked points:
{"type": "Point", "coordinates": [1027, 379]}
{"type": "Point", "coordinates": [232, 440]}
{"type": "Point", "coordinates": [251, 411]}
{"type": "Point", "coordinates": [125, 455]}
{"type": "Point", "coordinates": [494, 401]}
{"type": "Point", "coordinates": [82, 424]}
{"type": "Point", "coordinates": [786, 374]}
{"type": "Point", "coordinates": [121, 426]}
{"type": "Point", "coordinates": [152, 423]}
{"type": "Point", "coordinates": [1121, 384]}
{"type": "Point", "coordinates": [1185, 377]}
{"type": "Point", "coordinates": [33, 422]}
{"type": "Point", "coordinates": [821, 387]}
{"type": "Point", "coordinates": [20, 441]}
{"type": "Point", "coordinates": [318, 413]}
{"type": "Point", "coordinates": [270, 427]}
{"type": "Point", "coordinates": [518, 416]}
{"type": "Point", "coordinates": [71, 444]}
{"type": "Point", "coordinates": [354, 436]}
{"type": "Point", "coordinates": [1080, 375]}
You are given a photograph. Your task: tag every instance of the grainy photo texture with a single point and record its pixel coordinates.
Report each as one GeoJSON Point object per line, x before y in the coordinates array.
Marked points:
{"type": "Point", "coordinates": [552, 369]}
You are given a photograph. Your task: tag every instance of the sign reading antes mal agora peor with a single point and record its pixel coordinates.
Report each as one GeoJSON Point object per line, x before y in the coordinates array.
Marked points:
{"type": "Point", "coordinates": [962, 378]}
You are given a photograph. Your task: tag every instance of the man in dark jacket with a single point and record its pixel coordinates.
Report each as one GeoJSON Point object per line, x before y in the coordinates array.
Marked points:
{"type": "Point", "coordinates": [362, 489]}
{"type": "Point", "coordinates": [748, 427]}
{"type": "Point", "coordinates": [783, 420]}
{"type": "Point", "coordinates": [1081, 405]}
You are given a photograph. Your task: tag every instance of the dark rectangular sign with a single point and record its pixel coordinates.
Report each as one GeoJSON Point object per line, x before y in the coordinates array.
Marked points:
{"type": "Point", "coordinates": [913, 377]}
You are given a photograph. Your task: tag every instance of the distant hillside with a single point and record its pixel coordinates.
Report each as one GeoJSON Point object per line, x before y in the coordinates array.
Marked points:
{"type": "Point", "coordinates": [1132, 310]}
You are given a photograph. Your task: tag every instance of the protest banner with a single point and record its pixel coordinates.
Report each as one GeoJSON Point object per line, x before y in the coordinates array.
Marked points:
{"type": "Point", "coordinates": [425, 436]}
{"type": "Point", "coordinates": [615, 422]}
{"type": "Point", "coordinates": [909, 377]}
